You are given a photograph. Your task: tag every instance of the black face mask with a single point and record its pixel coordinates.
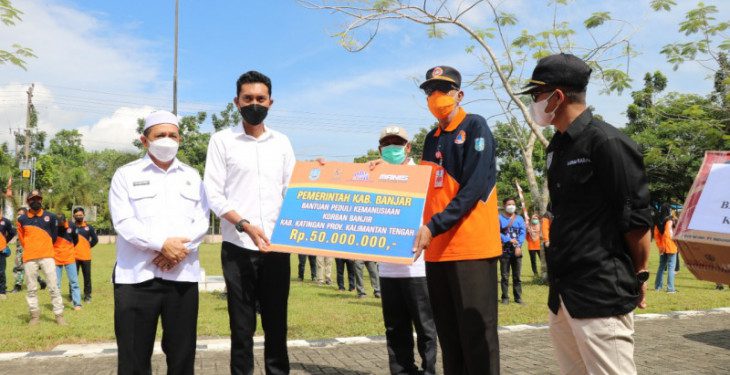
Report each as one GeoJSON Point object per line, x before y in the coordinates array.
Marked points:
{"type": "Point", "coordinates": [79, 219]}
{"type": "Point", "coordinates": [254, 114]}
{"type": "Point", "coordinates": [36, 205]}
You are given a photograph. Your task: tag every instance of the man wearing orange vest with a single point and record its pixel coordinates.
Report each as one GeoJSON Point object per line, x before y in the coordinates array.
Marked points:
{"type": "Point", "coordinates": [63, 254]}
{"type": "Point", "coordinates": [86, 240]}
{"type": "Point", "coordinates": [461, 235]}
{"type": "Point", "coordinates": [37, 231]}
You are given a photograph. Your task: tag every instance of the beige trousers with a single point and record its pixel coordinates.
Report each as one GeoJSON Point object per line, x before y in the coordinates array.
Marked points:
{"type": "Point", "coordinates": [324, 269]}
{"type": "Point", "coordinates": [595, 345]}
{"type": "Point", "coordinates": [48, 266]}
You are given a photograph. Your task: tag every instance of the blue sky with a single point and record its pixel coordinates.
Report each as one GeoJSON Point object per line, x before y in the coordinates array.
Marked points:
{"type": "Point", "coordinates": [102, 64]}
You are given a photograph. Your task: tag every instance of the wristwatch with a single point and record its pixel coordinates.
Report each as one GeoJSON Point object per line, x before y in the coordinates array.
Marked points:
{"type": "Point", "coordinates": [642, 276]}
{"type": "Point", "coordinates": [239, 225]}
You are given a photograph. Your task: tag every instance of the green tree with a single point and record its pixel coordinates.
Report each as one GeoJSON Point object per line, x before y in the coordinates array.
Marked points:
{"type": "Point", "coordinates": [682, 128]}
{"type": "Point", "coordinates": [17, 55]}
{"type": "Point", "coordinates": [101, 166]}
{"type": "Point", "coordinates": [510, 164]}
{"type": "Point", "coordinates": [721, 93]}
{"type": "Point", "coordinates": [228, 117]}
{"type": "Point", "coordinates": [37, 137]}
{"type": "Point", "coordinates": [66, 145]}
{"type": "Point", "coordinates": [706, 36]}
{"type": "Point", "coordinates": [417, 143]}
{"type": "Point", "coordinates": [641, 113]}
{"type": "Point", "coordinates": [371, 155]}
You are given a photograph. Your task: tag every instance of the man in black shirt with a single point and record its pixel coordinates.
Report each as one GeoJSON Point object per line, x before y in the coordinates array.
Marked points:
{"type": "Point", "coordinates": [597, 259]}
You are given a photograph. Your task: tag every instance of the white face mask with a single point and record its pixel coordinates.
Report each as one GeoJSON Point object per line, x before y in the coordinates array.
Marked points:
{"type": "Point", "coordinates": [163, 149]}
{"type": "Point", "coordinates": [510, 209]}
{"type": "Point", "coordinates": [537, 111]}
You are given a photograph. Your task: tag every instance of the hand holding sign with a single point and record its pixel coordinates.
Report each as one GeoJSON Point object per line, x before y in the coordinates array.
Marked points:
{"type": "Point", "coordinates": [423, 239]}
{"type": "Point", "coordinates": [347, 210]}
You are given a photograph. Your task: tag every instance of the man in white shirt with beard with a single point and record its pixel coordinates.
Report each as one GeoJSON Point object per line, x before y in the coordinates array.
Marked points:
{"type": "Point", "coordinates": [160, 214]}
{"type": "Point", "coordinates": [246, 174]}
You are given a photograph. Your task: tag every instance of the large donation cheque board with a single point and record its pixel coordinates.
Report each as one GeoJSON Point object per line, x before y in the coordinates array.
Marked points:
{"type": "Point", "coordinates": [703, 228]}
{"type": "Point", "coordinates": [346, 210]}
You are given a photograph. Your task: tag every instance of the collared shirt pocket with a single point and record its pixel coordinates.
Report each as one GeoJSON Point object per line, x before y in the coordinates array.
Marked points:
{"type": "Point", "coordinates": [190, 198]}
{"type": "Point", "coordinates": [143, 200]}
{"type": "Point", "coordinates": [581, 178]}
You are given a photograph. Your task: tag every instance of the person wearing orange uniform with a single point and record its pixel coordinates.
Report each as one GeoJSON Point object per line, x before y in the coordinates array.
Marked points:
{"type": "Point", "coordinates": [663, 235]}
{"type": "Point", "coordinates": [37, 231]}
{"type": "Point", "coordinates": [534, 243]}
{"type": "Point", "coordinates": [547, 220]}
{"type": "Point", "coordinates": [460, 237]}
{"type": "Point", "coordinates": [86, 240]}
{"type": "Point", "coordinates": [63, 254]}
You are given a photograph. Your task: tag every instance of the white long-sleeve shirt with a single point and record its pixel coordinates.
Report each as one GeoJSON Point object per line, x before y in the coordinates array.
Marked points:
{"type": "Point", "coordinates": [149, 205]}
{"type": "Point", "coordinates": [247, 175]}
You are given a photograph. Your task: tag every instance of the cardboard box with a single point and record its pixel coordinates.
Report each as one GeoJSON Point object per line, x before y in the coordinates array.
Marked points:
{"type": "Point", "coordinates": [703, 228]}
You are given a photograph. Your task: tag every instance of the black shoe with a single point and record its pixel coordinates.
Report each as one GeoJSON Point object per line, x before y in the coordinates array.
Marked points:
{"type": "Point", "coordinates": [377, 294]}
{"type": "Point", "coordinates": [43, 284]}
{"type": "Point", "coordinates": [505, 301]}
{"type": "Point", "coordinates": [351, 289]}
{"type": "Point", "coordinates": [87, 298]}
{"type": "Point", "coordinates": [16, 289]}
{"type": "Point", "coordinates": [362, 295]}
{"type": "Point", "coordinates": [519, 302]}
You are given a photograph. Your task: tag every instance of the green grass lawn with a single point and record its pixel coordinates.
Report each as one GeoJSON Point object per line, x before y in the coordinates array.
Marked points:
{"type": "Point", "coordinates": [314, 312]}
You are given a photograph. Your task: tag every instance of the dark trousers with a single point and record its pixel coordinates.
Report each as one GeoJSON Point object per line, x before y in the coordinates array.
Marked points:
{"type": "Point", "coordinates": [405, 305]}
{"type": "Point", "coordinates": [341, 263]}
{"type": "Point", "coordinates": [251, 277]}
{"type": "Point", "coordinates": [138, 307]}
{"type": "Point", "coordinates": [312, 266]}
{"type": "Point", "coordinates": [3, 281]}
{"type": "Point", "coordinates": [84, 267]}
{"type": "Point", "coordinates": [506, 262]}
{"type": "Point", "coordinates": [534, 255]}
{"type": "Point", "coordinates": [464, 302]}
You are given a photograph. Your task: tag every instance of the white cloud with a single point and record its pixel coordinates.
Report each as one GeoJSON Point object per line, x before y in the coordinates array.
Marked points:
{"type": "Point", "coordinates": [77, 48]}
{"type": "Point", "coordinates": [117, 131]}
{"type": "Point", "coordinates": [85, 73]}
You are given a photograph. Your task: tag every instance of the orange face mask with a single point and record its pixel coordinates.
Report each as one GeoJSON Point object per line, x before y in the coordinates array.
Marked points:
{"type": "Point", "coordinates": [441, 105]}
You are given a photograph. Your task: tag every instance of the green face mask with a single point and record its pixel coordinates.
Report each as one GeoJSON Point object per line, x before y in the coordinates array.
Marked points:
{"type": "Point", "coordinates": [394, 154]}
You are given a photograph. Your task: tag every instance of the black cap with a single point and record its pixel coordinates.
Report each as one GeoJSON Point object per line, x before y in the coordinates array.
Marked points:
{"type": "Point", "coordinates": [442, 74]}
{"type": "Point", "coordinates": [561, 69]}
{"type": "Point", "coordinates": [77, 209]}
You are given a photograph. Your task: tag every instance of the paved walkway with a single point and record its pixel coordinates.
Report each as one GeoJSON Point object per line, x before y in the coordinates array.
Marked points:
{"type": "Point", "coordinates": [668, 344]}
